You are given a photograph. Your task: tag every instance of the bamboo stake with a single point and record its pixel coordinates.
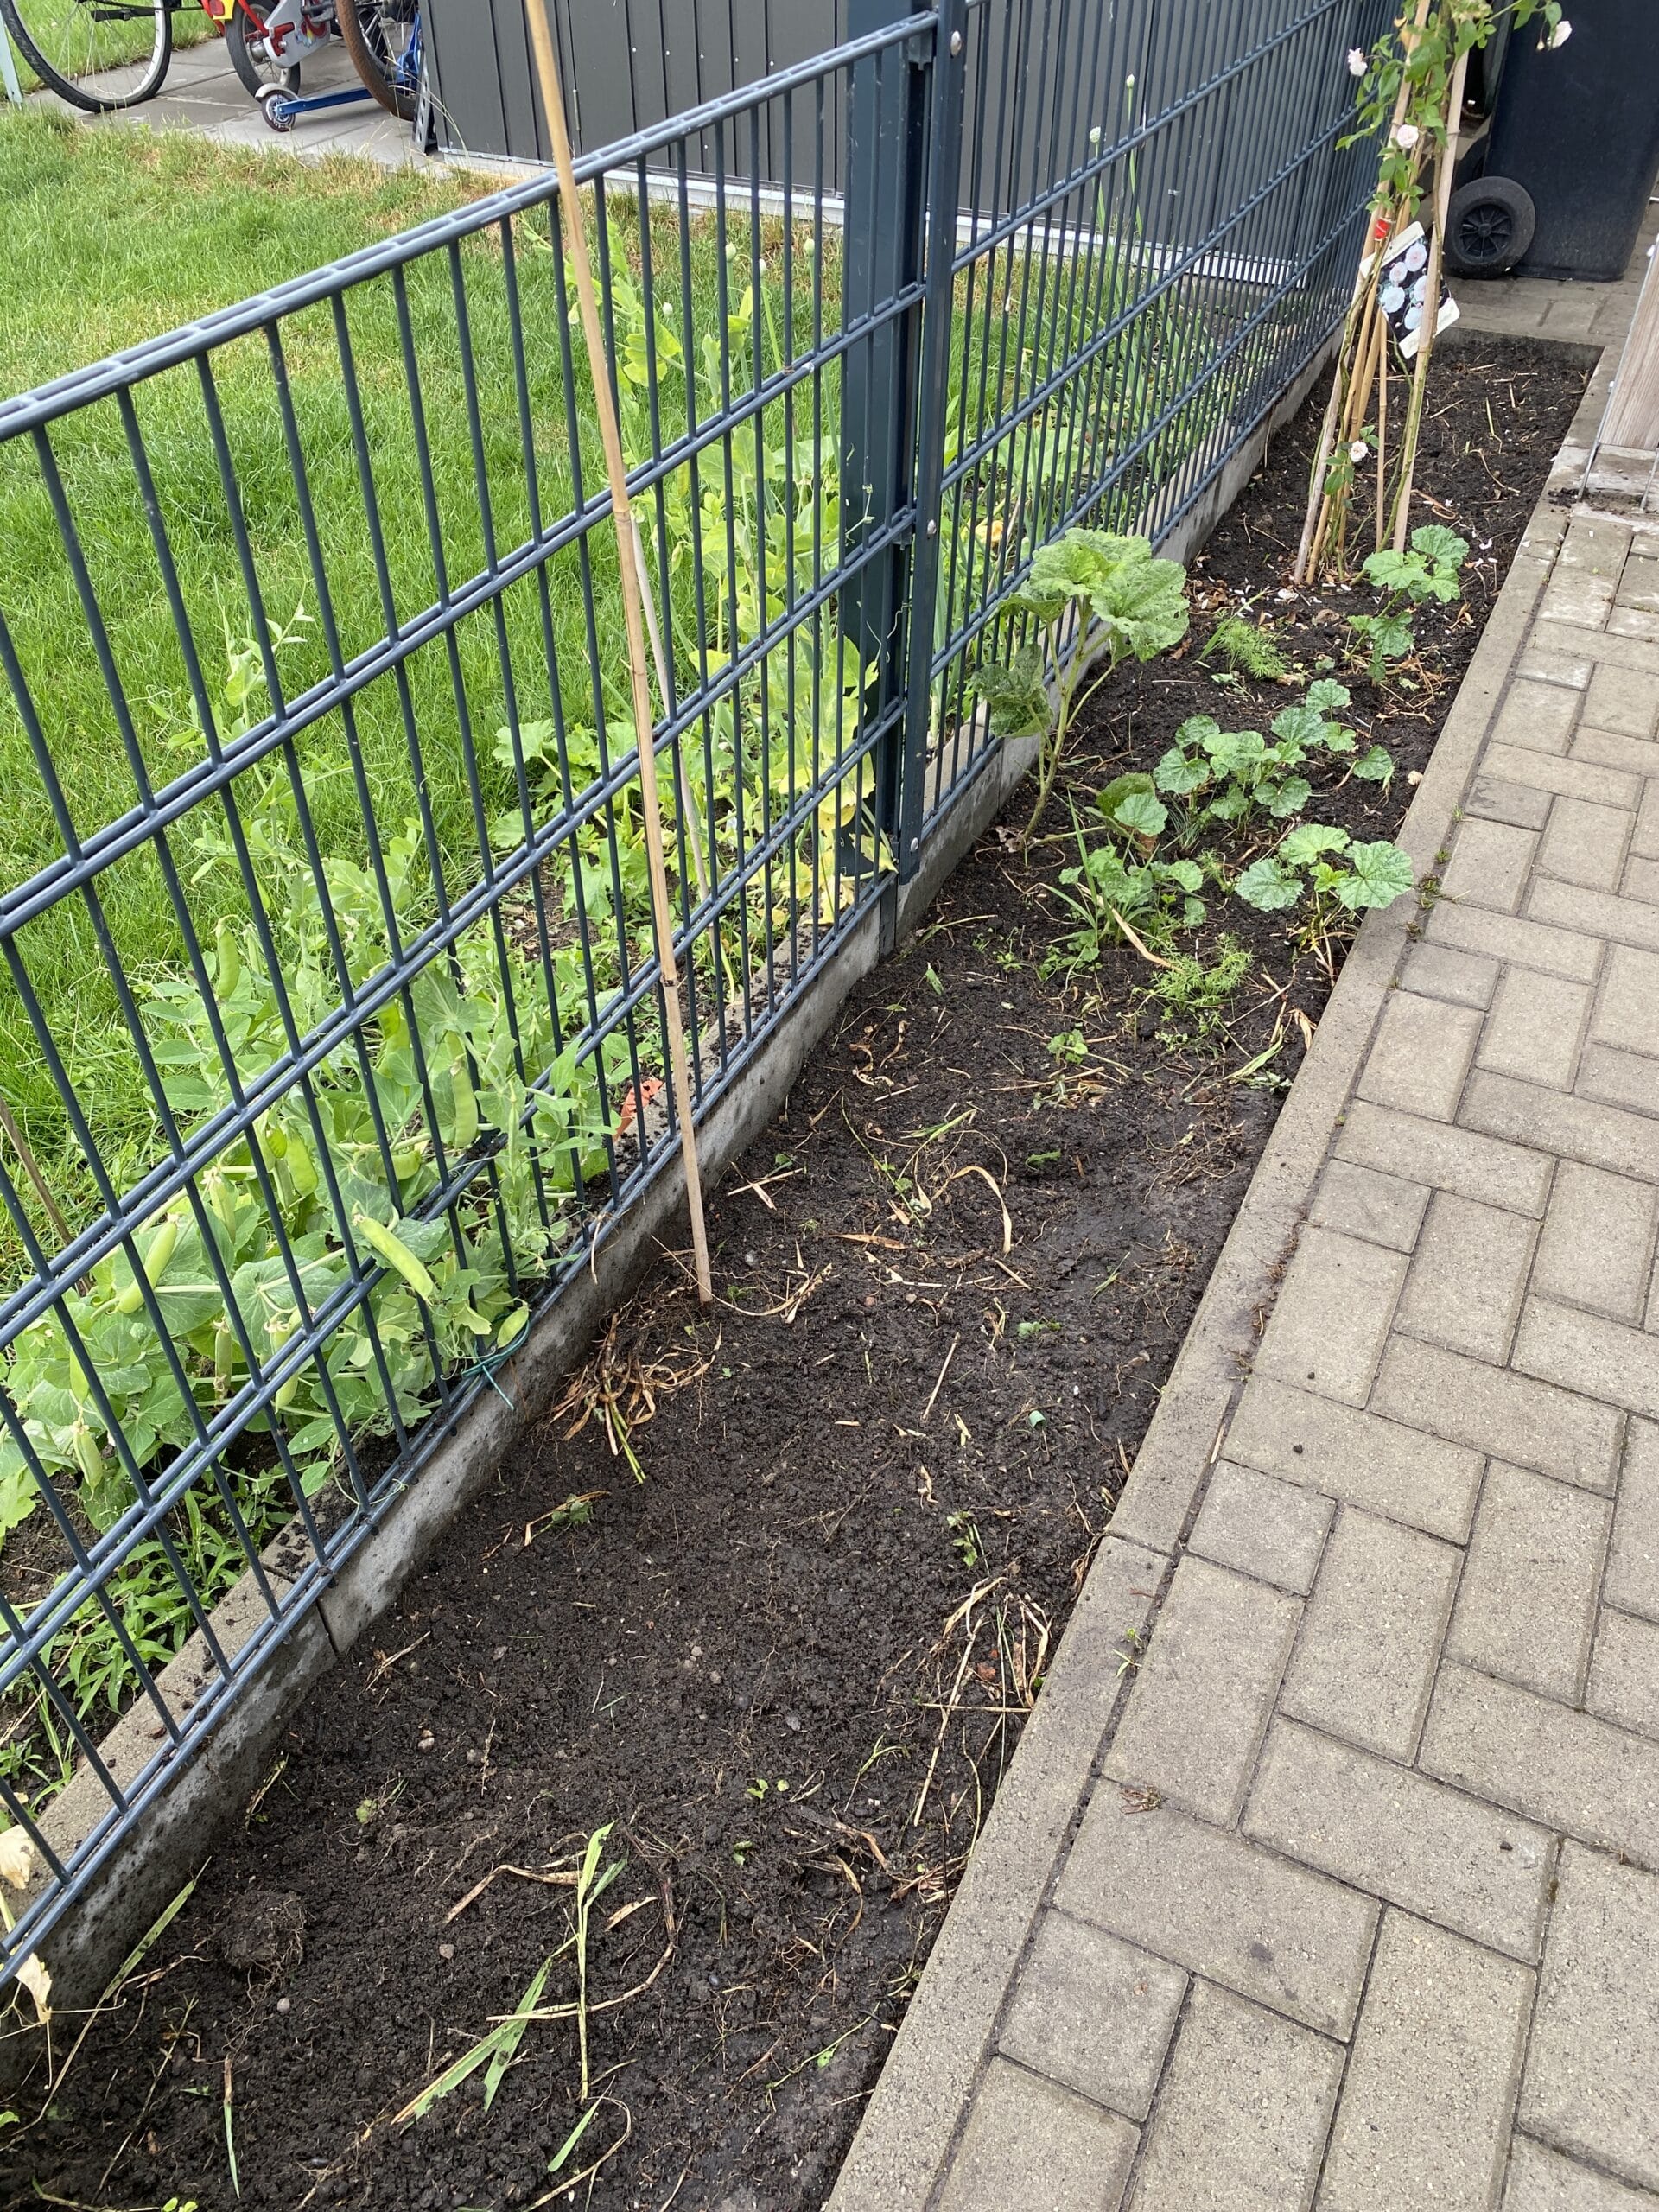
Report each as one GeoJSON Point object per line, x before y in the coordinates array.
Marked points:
{"type": "Point", "coordinates": [634, 586]}
{"type": "Point", "coordinates": [1371, 262]}
{"type": "Point", "coordinates": [1409, 437]}
{"type": "Point", "coordinates": [1382, 440]}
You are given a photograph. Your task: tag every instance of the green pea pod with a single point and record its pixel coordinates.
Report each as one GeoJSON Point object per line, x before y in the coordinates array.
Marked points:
{"type": "Point", "coordinates": [155, 1265]}
{"type": "Point", "coordinates": [405, 1160]}
{"type": "Point", "coordinates": [510, 1325]}
{"type": "Point", "coordinates": [301, 1169]}
{"type": "Point", "coordinates": [279, 1332]}
{"type": "Point", "coordinates": [224, 1355]}
{"type": "Point", "coordinates": [275, 1139]}
{"type": "Point", "coordinates": [396, 1256]}
{"type": "Point", "coordinates": [465, 1127]}
{"type": "Point", "coordinates": [230, 959]}
{"type": "Point", "coordinates": [88, 1458]}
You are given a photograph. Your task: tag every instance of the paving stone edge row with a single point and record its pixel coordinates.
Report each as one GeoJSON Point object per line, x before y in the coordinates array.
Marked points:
{"type": "Point", "coordinates": [918, 2109]}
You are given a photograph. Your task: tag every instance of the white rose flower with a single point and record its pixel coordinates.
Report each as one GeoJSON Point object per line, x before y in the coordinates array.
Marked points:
{"type": "Point", "coordinates": [1562, 32]}
{"type": "Point", "coordinates": [1406, 136]}
{"type": "Point", "coordinates": [1358, 450]}
{"type": "Point", "coordinates": [1356, 61]}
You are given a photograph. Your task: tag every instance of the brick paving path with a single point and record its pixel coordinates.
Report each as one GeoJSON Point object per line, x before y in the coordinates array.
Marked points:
{"type": "Point", "coordinates": [1356, 1904]}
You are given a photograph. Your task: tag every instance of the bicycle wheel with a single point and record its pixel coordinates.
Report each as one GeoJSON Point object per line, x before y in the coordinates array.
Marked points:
{"type": "Point", "coordinates": [96, 54]}
{"type": "Point", "coordinates": [383, 38]}
{"type": "Point", "coordinates": [244, 42]}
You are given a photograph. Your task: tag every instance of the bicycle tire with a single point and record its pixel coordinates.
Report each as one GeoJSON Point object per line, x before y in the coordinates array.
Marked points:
{"type": "Point", "coordinates": [362, 27]}
{"type": "Point", "coordinates": [257, 76]}
{"type": "Point", "coordinates": [91, 39]}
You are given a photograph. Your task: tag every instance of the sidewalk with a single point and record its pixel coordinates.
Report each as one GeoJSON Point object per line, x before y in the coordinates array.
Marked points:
{"type": "Point", "coordinates": [1328, 1872]}
{"type": "Point", "coordinates": [203, 93]}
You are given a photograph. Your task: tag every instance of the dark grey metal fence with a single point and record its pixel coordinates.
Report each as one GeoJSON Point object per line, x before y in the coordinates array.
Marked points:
{"type": "Point", "coordinates": [331, 1007]}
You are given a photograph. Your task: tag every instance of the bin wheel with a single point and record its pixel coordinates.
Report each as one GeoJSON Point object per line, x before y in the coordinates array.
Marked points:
{"type": "Point", "coordinates": [1489, 227]}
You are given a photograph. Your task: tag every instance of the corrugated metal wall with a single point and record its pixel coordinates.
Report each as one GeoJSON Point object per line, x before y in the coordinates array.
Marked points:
{"type": "Point", "coordinates": [628, 64]}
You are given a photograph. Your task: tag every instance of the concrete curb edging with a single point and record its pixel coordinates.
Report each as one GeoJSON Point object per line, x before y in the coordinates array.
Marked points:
{"type": "Point", "coordinates": [921, 2097]}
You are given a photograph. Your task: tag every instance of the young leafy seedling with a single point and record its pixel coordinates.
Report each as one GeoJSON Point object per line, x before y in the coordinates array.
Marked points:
{"type": "Point", "coordinates": [1243, 650]}
{"type": "Point", "coordinates": [1431, 569]}
{"type": "Point", "coordinates": [1320, 862]}
{"type": "Point", "coordinates": [1096, 600]}
{"type": "Point", "coordinates": [1107, 894]}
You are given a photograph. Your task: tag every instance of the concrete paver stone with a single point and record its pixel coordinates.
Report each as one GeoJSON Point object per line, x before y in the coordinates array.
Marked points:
{"type": "Point", "coordinates": [1541, 2180]}
{"type": "Point", "coordinates": [1361, 1202]}
{"type": "Point", "coordinates": [1594, 2058]}
{"type": "Point", "coordinates": [1526, 1606]}
{"type": "Point", "coordinates": [1331, 1319]}
{"type": "Point", "coordinates": [1597, 1242]}
{"type": "Point", "coordinates": [1624, 1672]}
{"type": "Point", "coordinates": [1535, 1028]}
{"type": "Point", "coordinates": [1568, 1771]}
{"type": "Point", "coordinates": [1268, 1529]}
{"type": "Point", "coordinates": [1220, 1906]}
{"type": "Point", "coordinates": [1514, 1416]}
{"type": "Point", "coordinates": [1422, 1480]}
{"type": "Point", "coordinates": [1499, 1174]}
{"type": "Point", "coordinates": [1632, 1578]}
{"type": "Point", "coordinates": [1468, 1278]}
{"type": "Point", "coordinates": [1394, 1833]}
{"type": "Point", "coordinates": [1030, 2143]}
{"type": "Point", "coordinates": [1242, 2115]}
{"type": "Point", "coordinates": [1430, 2088]}
{"type": "Point", "coordinates": [1201, 1699]}
{"type": "Point", "coordinates": [1370, 1641]}
{"type": "Point", "coordinates": [1093, 2013]}
{"type": "Point", "coordinates": [1422, 1050]}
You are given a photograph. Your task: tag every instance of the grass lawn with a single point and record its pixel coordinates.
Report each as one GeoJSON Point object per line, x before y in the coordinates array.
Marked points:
{"type": "Point", "coordinates": [129, 234]}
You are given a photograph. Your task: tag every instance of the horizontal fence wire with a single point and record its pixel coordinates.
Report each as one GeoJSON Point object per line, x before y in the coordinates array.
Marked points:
{"type": "Point", "coordinates": [330, 1005]}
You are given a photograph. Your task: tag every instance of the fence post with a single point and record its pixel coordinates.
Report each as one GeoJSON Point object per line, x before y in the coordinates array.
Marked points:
{"type": "Point", "coordinates": [884, 199]}
{"type": "Point", "coordinates": [938, 305]}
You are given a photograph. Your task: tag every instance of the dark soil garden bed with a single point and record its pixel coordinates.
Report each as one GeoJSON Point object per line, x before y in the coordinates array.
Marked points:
{"type": "Point", "coordinates": [788, 1666]}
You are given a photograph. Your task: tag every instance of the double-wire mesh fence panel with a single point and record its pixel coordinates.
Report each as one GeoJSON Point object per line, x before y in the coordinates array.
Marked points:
{"type": "Point", "coordinates": [331, 1010]}
{"type": "Point", "coordinates": [1158, 227]}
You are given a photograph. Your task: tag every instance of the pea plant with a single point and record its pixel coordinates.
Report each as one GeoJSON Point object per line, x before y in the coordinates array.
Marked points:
{"type": "Point", "coordinates": [1429, 572]}
{"type": "Point", "coordinates": [1095, 601]}
{"type": "Point", "coordinates": [462, 1064]}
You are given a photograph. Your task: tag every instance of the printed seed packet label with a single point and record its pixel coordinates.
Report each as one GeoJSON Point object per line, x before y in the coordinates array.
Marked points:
{"type": "Point", "coordinates": [1401, 288]}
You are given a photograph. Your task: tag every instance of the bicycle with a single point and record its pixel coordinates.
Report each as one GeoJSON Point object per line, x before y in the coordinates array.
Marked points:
{"type": "Point", "coordinates": [102, 55]}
